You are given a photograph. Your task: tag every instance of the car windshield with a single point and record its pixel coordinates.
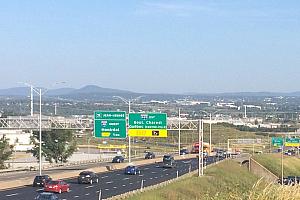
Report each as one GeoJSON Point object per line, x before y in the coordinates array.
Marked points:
{"type": "Point", "coordinates": [40, 177]}
{"type": "Point", "coordinates": [85, 173]}
{"type": "Point", "coordinates": [53, 182]}
{"type": "Point", "coordinates": [45, 197]}
{"type": "Point", "coordinates": [167, 157]}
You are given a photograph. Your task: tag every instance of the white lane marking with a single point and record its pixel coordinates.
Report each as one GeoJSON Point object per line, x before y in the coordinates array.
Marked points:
{"type": "Point", "coordinates": [87, 194]}
{"type": "Point", "coordinates": [146, 168]}
{"type": "Point", "coordinates": [91, 186]}
{"type": "Point", "coordinates": [109, 182]}
{"type": "Point", "coordinates": [155, 177]}
{"type": "Point", "coordinates": [167, 174]}
{"type": "Point", "coordinates": [123, 185]}
{"type": "Point", "coordinates": [153, 172]}
{"type": "Point", "coordinates": [125, 179]}
{"type": "Point", "coordinates": [115, 187]}
{"type": "Point", "coordinates": [130, 183]}
{"type": "Point", "coordinates": [104, 177]}
{"type": "Point", "coordinates": [106, 189]}
{"type": "Point", "coordinates": [76, 196]}
{"type": "Point", "coordinates": [10, 195]}
{"type": "Point", "coordinates": [141, 175]}
{"type": "Point", "coordinates": [164, 170]}
{"type": "Point", "coordinates": [151, 178]}
{"type": "Point", "coordinates": [118, 174]}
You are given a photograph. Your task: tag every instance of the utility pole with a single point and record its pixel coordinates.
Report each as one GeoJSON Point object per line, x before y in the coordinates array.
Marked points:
{"type": "Point", "coordinates": [55, 109]}
{"type": "Point", "coordinates": [210, 144]}
{"type": "Point", "coordinates": [31, 101]}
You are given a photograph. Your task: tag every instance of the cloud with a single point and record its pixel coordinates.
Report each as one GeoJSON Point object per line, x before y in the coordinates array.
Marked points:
{"type": "Point", "coordinates": [172, 8]}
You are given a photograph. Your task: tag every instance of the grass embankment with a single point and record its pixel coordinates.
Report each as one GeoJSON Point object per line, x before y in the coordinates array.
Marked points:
{"type": "Point", "coordinates": [226, 180]}
{"type": "Point", "coordinates": [291, 164]}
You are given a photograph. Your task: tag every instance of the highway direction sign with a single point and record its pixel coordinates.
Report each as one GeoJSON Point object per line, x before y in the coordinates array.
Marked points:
{"type": "Point", "coordinates": [277, 141]}
{"type": "Point", "coordinates": [292, 142]}
{"type": "Point", "coordinates": [110, 124]}
{"type": "Point", "coordinates": [147, 125]}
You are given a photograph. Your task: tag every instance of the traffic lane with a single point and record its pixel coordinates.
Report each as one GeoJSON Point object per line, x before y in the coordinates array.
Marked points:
{"type": "Point", "coordinates": [119, 183]}
{"type": "Point", "coordinates": [108, 189]}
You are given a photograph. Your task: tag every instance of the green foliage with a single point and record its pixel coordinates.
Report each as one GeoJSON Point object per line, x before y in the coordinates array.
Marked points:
{"type": "Point", "coordinates": [5, 151]}
{"type": "Point", "coordinates": [57, 145]}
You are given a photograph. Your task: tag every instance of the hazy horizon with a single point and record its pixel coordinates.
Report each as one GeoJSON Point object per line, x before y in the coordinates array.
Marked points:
{"type": "Point", "coordinates": [149, 46]}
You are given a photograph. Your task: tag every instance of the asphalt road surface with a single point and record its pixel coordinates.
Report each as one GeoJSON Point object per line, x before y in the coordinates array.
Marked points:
{"type": "Point", "coordinates": [111, 183]}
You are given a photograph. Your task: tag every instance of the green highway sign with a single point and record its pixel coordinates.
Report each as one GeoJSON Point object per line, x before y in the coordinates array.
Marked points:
{"type": "Point", "coordinates": [147, 124]}
{"type": "Point", "coordinates": [110, 124]}
{"type": "Point", "coordinates": [292, 142]}
{"type": "Point", "coordinates": [277, 141]}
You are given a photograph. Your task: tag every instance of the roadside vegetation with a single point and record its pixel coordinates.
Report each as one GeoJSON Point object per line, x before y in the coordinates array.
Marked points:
{"type": "Point", "coordinates": [273, 163]}
{"type": "Point", "coordinates": [6, 151]}
{"type": "Point", "coordinates": [225, 181]}
{"type": "Point", "coordinates": [57, 146]}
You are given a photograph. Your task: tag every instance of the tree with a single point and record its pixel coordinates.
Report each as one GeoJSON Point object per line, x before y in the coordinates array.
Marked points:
{"type": "Point", "coordinates": [6, 151]}
{"type": "Point", "coordinates": [57, 145]}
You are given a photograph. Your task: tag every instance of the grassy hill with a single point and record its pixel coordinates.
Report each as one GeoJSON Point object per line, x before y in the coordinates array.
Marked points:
{"type": "Point", "coordinates": [273, 163]}
{"type": "Point", "coordinates": [225, 181]}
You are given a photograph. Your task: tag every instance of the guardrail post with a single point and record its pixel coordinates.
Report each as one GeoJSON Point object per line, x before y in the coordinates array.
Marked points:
{"type": "Point", "coordinates": [100, 194]}
{"type": "Point", "coordinates": [177, 174]}
{"type": "Point", "coordinates": [142, 185]}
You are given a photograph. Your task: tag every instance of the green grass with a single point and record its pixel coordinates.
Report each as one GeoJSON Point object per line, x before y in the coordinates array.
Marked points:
{"type": "Point", "coordinates": [226, 180]}
{"type": "Point", "coordinates": [273, 163]}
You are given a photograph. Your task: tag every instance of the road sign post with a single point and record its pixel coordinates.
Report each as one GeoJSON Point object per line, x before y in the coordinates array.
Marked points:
{"type": "Point", "coordinates": [147, 125]}
{"type": "Point", "coordinates": [109, 124]}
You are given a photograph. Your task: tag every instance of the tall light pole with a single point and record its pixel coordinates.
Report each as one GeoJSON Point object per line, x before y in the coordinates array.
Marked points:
{"type": "Point", "coordinates": [179, 131]}
{"type": "Point", "coordinates": [210, 127]}
{"type": "Point", "coordinates": [128, 102]}
{"type": "Point", "coordinates": [39, 92]}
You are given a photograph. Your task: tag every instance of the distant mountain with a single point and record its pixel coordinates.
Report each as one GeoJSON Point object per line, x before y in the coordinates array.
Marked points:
{"type": "Point", "coordinates": [93, 89]}
{"type": "Point", "coordinates": [17, 91]}
{"type": "Point", "coordinates": [60, 91]}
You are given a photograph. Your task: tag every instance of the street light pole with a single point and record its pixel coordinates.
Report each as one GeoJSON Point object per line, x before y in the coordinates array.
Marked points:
{"type": "Point", "coordinates": [40, 148]}
{"type": "Point", "coordinates": [179, 131]}
{"type": "Point", "coordinates": [210, 133]}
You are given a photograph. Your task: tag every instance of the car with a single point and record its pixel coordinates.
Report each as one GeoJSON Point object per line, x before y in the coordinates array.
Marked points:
{"type": "Point", "coordinates": [149, 155]}
{"type": "Point", "coordinates": [41, 180]}
{"type": "Point", "coordinates": [47, 196]}
{"type": "Point", "coordinates": [184, 151]}
{"type": "Point", "coordinates": [58, 186]}
{"type": "Point", "coordinates": [88, 177]}
{"type": "Point", "coordinates": [118, 159]}
{"type": "Point", "coordinates": [132, 170]}
{"type": "Point", "coordinates": [169, 161]}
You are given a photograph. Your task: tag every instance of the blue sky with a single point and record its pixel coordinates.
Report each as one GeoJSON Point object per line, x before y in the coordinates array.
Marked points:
{"type": "Point", "coordinates": [152, 46]}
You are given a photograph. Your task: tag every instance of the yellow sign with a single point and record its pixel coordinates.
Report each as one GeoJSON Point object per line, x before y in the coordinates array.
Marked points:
{"type": "Point", "coordinates": [111, 146]}
{"type": "Point", "coordinates": [147, 133]}
{"type": "Point", "coordinates": [105, 134]}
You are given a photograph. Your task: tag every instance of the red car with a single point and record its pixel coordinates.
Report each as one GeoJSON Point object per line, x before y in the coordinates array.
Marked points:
{"type": "Point", "coordinates": [58, 186]}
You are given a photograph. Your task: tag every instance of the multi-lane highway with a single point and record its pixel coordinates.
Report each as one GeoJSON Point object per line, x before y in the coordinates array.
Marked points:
{"type": "Point", "coordinates": [111, 183]}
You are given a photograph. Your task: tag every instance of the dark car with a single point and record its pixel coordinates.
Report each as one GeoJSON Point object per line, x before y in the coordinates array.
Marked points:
{"type": "Point", "coordinates": [184, 151]}
{"type": "Point", "coordinates": [118, 159]}
{"type": "Point", "coordinates": [41, 180]}
{"type": "Point", "coordinates": [149, 155]}
{"type": "Point", "coordinates": [169, 161]}
{"type": "Point", "coordinates": [132, 170]}
{"type": "Point", "coordinates": [47, 196]}
{"type": "Point", "coordinates": [88, 177]}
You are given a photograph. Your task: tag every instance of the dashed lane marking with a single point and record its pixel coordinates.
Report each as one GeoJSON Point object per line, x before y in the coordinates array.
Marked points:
{"type": "Point", "coordinates": [109, 182]}
{"type": "Point", "coordinates": [91, 186]}
{"type": "Point", "coordinates": [124, 185]}
{"type": "Point", "coordinates": [87, 194]}
{"type": "Point", "coordinates": [76, 196]}
{"type": "Point", "coordinates": [104, 177]}
{"type": "Point", "coordinates": [10, 195]}
{"type": "Point", "coordinates": [125, 179]}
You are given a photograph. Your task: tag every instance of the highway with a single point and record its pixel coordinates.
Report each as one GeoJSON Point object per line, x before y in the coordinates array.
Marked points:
{"type": "Point", "coordinates": [111, 183]}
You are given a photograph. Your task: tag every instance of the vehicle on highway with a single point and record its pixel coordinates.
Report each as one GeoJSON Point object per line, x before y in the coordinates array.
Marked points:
{"type": "Point", "coordinates": [149, 155]}
{"type": "Point", "coordinates": [184, 151]}
{"type": "Point", "coordinates": [118, 159]}
{"type": "Point", "coordinates": [41, 180]}
{"type": "Point", "coordinates": [88, 177]}
{"type": "Point", "coordinates": [290, 180]}
{"type": "Point", "coordinates": [47, 196]}
{"type": "Point", "coordinates": [58, 186]}
{"type": "Point", "coordinates": [132, 170]}
{"type": "Point", "coordinates": [169, 161]}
